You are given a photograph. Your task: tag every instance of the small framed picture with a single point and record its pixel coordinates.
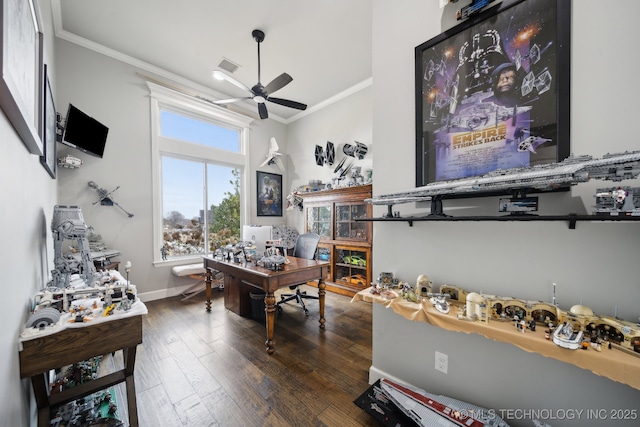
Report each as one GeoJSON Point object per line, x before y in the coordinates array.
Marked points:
{"type": "Point", "coordinates": [48, 131]}
{"type": "Point", "coordinates": [269, 194]}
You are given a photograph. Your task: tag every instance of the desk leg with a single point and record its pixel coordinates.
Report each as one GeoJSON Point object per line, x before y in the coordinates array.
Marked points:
{"type": "Point", "coordinates": [270, 302]}
{"type": "Point", "coordinates": [208, 278]}
{"type": "Point", "coordinates": [321, 293]}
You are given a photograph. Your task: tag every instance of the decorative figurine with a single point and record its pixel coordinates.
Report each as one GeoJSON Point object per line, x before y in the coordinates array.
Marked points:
{"type": "Point", "coordinates": [440, 302]}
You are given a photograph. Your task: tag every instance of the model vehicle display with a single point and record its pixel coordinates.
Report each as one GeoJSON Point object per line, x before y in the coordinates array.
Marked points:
{"type": "Point", "coordinates": [76, 286]}
{"type": "Point", "coordinates": [105, 197]}
{"type": "Point", "coordinates": [273, 156]}
{"type": "Point", "coordinates": [565, 336]}
{"type": "Point", "coordinates": [358, 150]}
{"type": "Point", "coordinates": [440, 302]}
{"type": "Point", "coordinates": [356, 279]}
{"type": "Point", "coordinates": [325, 156]}
{"type": "Point", "coordinates": [576, 324]}
{"type": "Point", "coordinates": [571, 171]}
{"type": "Point", "coordinates": [355, 260]}
{"type": "Point", "coordinates": [431, 410]}
{"type": "Point", "coordinates": [69, 162]}
{"type": "Point", "coordinates": [617, 201]}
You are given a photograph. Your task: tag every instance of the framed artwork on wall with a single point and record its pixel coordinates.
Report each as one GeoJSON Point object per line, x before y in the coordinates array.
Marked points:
{"type": "Point", "coordinates": [48, 126]}
{"type": "Point", "coordinates": [269, 194]}
{"type": "Point", "coordinates": [21, 65]}
{"type": "Point", "coordinates": [493, 92]}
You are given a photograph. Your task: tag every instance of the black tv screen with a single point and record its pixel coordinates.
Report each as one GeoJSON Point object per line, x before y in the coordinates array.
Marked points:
{"type": "Point", "coordinates": [85, 133]}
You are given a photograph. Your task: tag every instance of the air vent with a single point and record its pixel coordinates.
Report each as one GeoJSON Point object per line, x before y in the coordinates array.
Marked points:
{"type": "Point", "coordinates": [228, 66]}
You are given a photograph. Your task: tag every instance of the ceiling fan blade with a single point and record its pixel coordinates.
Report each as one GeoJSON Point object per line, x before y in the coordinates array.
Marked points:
{"type": "Point", "coordinates": [278, 83]}
{"type": "Point", "coordinates": [288, 103]}
{"type": "Point", "coordinates": [230, 100]}
{"type": "Point", "coordinates": [223, 76]}
{"type": "Point", "coordinates": [262, 109]}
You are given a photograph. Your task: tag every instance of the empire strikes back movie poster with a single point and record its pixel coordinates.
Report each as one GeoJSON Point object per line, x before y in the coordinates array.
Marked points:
{"type": "Point", "coordinates": [489, 94]}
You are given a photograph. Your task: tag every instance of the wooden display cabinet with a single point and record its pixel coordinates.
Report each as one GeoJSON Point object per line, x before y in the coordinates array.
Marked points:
{"type": "Point", "coordinates": [344, 242]}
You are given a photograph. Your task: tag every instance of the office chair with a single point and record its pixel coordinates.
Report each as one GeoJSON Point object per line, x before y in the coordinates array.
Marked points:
{"type": "Point", "coordinates": [306, 246]}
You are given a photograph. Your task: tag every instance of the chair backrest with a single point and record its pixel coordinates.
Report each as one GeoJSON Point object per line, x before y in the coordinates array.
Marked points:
{"type": "Point", "coordinates": [306, 245]}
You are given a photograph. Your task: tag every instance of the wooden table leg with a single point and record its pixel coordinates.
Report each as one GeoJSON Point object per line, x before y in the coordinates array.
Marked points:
{"type": "Point", "coordinates": [208, 278]}
{"type": "Point", "coordinates": [321, 293]}
{"type": "Point", "coordinates": [270, 302]}
{"type": "Point", "coordinates": [129, 355]}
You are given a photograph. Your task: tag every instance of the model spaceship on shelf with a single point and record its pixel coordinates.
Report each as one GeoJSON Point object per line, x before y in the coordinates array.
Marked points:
{"type": "Point", "coordinates": [69, 162]}
{"type": "Point", "coordinates": [273, 157]}
{"type": "Point", "coordinates": [617, 201]}
{"type": "Point", "coordinates": [571, 171]}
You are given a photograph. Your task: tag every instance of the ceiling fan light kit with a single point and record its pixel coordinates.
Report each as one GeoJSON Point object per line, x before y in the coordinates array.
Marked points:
{"type": "Point", "coordinates": [259, 93]}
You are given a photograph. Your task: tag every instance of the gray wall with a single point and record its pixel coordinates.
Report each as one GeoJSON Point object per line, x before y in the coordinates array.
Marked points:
{"type": "Point", "coordinates": [593, 264]}
{"type": "Point", "coordinates": [27, 197]}
{"type": "Point", "coordinates": [344, 122]}
{"type": "Point", "coordinates": [113, 93]}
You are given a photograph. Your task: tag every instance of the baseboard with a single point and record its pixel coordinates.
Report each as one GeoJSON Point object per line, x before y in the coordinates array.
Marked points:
{"type": "Point", "coordinates": [375, 374]}
{"type": "Point", "coordinates": [163, 293]}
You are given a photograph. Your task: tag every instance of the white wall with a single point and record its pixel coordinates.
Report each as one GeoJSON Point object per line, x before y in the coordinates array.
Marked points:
{"type": "Point", "coordinates": [112, 92]}
{"type": "Point", "coordinates": [593, 263]}
{"type": "Point", "coordinates": [27, 197]}
{"type": "Point", "coordinates": [344, 122]}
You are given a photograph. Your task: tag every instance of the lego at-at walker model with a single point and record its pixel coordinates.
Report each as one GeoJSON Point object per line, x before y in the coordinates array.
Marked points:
{"type": "Point", "coordinates": [75, 278]}
{"type": "Point", "coordinates": [68, 224]}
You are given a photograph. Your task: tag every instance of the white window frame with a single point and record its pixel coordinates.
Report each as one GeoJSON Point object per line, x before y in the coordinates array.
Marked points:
{"type": "Point", "coordinates": [163, 98]}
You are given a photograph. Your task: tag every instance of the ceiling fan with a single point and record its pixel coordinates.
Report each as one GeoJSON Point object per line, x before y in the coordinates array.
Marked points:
{"type": "Point", "coordinates": [260, 93]}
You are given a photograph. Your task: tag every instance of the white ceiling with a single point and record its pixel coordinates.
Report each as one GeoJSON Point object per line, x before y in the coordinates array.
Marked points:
{"type": "Point", "coordinates": [325, 45]}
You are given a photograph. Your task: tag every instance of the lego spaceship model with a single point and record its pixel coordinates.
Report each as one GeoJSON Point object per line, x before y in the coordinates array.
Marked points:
{"type": "Point", "coordinates": [105, 197]}
{"type": "Point", "coordinates": [571, 171]}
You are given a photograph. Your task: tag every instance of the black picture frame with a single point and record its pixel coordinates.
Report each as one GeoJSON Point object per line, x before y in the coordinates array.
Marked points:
{"type": "Point", "coordinates": [269, 194]}
{"type": "Point", "coordinates": [464, 126]}
{"type": "Point", "coordinates": [48, 128]}
{"type": "Point", "coordinates": [21, 67]}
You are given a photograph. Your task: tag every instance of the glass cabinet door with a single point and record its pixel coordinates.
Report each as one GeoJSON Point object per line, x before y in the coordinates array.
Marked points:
{"type": "Point", "coordinates": [351, 267]}
{"type": "Point", "coordinates": [346, 226]}
{"type": "Point", "coordinates": [319, 220]}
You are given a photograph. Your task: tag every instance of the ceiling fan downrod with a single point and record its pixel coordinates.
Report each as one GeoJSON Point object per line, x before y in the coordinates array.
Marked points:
{"type": "Point", "coordinates": [258, 36]}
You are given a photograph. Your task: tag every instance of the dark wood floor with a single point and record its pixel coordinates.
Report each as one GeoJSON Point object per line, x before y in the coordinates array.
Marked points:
{"type": "Point", "coordinates": [211, 369]}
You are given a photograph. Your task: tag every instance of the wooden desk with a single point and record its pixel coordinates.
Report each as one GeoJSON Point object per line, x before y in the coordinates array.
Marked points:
{"type": "Point", "coordinates": [41, 354]}
{"type": "Point", "coordinates": [240, 279]}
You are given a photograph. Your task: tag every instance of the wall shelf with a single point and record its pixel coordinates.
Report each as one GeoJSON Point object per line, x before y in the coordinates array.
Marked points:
{"type": "Point", "coordinates": [572, 219]}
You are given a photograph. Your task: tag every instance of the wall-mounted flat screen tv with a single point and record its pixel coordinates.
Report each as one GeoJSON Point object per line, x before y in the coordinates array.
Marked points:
{"type": "Point", "coordinates": [83, 132]}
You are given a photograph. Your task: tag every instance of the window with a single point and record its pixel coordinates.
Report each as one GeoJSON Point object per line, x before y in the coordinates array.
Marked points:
{"type": "Point", "coordinates": [199, 169]}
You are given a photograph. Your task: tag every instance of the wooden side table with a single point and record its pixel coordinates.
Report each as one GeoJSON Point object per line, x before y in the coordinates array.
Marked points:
{"type": "Point", "coordinates": [41, 354]}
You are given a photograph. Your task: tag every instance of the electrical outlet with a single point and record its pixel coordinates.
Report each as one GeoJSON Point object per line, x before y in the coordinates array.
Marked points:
{"type": "Point", "coordinates": [442, 362]}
